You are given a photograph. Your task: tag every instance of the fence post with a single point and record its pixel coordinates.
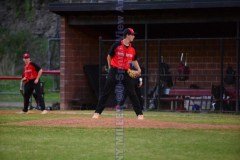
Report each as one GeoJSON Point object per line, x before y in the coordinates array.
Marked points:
{"type": "Point", "coordinates": [159, 74]}
{"type": "Point", "coordinates": [146, 85]}
{"type": "Point", "coordinates": [238, 67]}
{"type": "Point", "coordinates": [100, 65]}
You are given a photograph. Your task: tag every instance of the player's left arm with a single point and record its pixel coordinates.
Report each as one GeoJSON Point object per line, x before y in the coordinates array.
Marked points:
{"type": "Point", "coordinates": [39, 70]}
{"type": "Point", "coordinates": [136, 65]}
{"type": "Point", "coordinates": [38, 76]}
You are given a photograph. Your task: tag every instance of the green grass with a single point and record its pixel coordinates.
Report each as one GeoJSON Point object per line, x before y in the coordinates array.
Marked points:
{"type": "Point", "coordinates": [66, 143]}
{"type": "Point", "coordinates": [205, 118]}
{"type": "Point", "coordinates": [56, 143]}
{"type": "Point", "coordinates": [6, 118]}
{"type": "Point", "coordinates": [48, 97]}
{"type": "Point", "coordinates": [173, 144]}
{"type": "Point", "coordinates": [9, 90]}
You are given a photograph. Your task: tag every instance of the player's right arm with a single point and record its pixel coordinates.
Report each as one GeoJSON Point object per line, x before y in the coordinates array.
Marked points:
{"type": "Point", "coordinates": [111, 53]}
{"type": "Point", "coordinates": [109, 58]}
{"type": "Point", "coordinates": [23, 77]}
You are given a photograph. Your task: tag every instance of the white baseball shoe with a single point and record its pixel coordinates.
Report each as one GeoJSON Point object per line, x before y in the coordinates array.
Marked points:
{"type": "Point", "coordinates": [44, 112]}
{"type": "Point", "coordinates": [140, 117]}
{"type": "Point", "coordinates": [95, 116]}
{"type": "Point", "coordinates": [22, 112]}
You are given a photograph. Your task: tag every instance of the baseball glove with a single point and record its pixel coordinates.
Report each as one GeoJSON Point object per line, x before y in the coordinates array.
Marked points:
{"type": "Point", "coordinates": [131, 73]}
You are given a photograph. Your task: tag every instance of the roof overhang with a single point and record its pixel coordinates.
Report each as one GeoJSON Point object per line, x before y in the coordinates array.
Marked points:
{"type": "Point", "coordinates": [66, 8]}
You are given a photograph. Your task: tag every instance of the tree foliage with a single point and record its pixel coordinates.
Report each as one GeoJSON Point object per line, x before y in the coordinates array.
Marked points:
{"type": "Point", "coordinates": [14, 44]}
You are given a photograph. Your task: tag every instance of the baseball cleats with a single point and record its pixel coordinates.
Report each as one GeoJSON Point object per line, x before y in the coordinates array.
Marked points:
{"type": "Point", "coordinates": [44, 112]}
{"type": "Point", "coordinates": [140, 117]}
{"type": "Point", "coordinates": [22, 112]}
{"type": "Point", "coordinates": [95, 116]}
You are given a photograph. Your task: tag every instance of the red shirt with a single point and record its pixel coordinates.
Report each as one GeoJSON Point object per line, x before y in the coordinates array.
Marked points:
{"type": "Point", "coordinates": [31, 71]}
{"type": "Point", "coordinates": [122, 55]}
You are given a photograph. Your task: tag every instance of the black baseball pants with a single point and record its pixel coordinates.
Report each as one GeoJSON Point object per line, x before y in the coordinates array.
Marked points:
{"type": "Point", "coordinates": [138, 93]}
{"type": "Point", "coordinates": [116, 76]}
{"type": "Point", "coordinates": [28, 91]}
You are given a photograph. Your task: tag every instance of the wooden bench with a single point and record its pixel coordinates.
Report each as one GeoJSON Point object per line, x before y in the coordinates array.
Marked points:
{"type": "Point", "coordinates": [180, 95]}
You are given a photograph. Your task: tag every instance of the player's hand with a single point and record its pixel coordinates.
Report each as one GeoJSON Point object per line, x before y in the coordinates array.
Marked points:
{"type": "Point", "coordinates": [24, 80]}
{"type": "Point", "coordinates": [138, 73]}
{"type": "Point", "coordinates": [132, 73]}
{"type": "Point", "coordinates": [36, 81]}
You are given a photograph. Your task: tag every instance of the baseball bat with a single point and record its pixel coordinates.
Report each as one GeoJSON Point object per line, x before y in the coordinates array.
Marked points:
{"type": "Point", "coordinates": [21, 87]}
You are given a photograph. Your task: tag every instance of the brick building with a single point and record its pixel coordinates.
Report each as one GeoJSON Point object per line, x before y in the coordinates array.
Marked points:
{"type": "Point", "coordinates": [205, 31]}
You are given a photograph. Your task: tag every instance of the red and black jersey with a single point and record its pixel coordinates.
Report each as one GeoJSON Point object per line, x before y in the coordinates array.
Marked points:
{"type": "Point", "coordinates": [122, 55]}
{"type": "Point", "coordinates": [31, 71]}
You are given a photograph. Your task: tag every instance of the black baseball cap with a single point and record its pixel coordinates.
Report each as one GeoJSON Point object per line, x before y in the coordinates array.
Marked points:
{"type": "Point", "coordinates": [128, 31]}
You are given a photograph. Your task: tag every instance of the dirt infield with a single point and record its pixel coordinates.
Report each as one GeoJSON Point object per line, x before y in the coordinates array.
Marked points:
{"type": "Point", "coordinates": [84, 120]}
{"type": "Point", "coordinates": [87, 122]}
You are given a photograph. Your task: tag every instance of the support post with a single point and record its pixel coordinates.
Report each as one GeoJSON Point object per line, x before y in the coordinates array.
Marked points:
{"type": "Point", "coordinates": [100, 66]}
{"type": "Point", "coordinates": [238, 66]}
{"type": "Point", "coordinates": [222, 66]}
{"type": "Point", "coordinates": [146, 68]}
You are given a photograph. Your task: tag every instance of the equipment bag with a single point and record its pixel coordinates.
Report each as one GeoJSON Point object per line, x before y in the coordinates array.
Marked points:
{"type": "Point", "coordinates": [165, 74]}
{"type": "Point", "coordinates": [183, 70]}
{"type": "Point", "coordinates": [230, 75]}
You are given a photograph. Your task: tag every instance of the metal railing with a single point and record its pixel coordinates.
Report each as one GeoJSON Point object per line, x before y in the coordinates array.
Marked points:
{"type": "Point", "coordinates": [10, 89]}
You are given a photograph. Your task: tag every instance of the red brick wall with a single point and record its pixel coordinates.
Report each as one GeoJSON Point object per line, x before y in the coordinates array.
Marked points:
{"type": "Point", "coordinates": [203, 57]}
{"type": "Point", "coordinates": [79, 46]}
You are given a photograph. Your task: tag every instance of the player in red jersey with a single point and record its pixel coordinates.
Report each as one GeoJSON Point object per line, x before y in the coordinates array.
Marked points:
{"type": "Point", "coordinates": [120, 55]}
{"type": "Point", "coordinates": [31, 79]}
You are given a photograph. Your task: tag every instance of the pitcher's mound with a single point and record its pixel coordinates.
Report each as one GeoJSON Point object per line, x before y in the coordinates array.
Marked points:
{"type": "Point", "coordinates": [105, 122]}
